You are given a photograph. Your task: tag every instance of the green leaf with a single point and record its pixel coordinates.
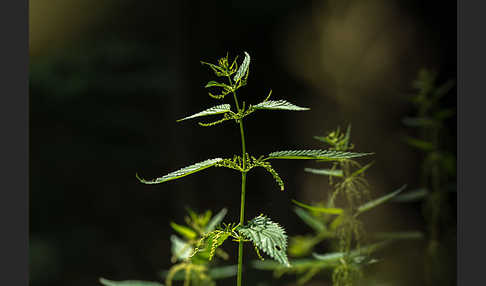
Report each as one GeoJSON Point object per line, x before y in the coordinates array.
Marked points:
{"type": "Point", "coordinates": [219, 71]}
{"type": "Point", "coordinates": [267, 166]}
{"type": "Point", "coordinates": [335, 256]}
{"type": "Point", "coordinates": [184, 230]}
{"type": "Point", "coordinates": [327, 172]}
{"type": "Point", "coordinates": [347, 137]}
{"type": "Point", "coordinates": [278, 105]}
{"type": "Point", "coordinates": [181, 250]}
{"type": "Point", "coordinates": [361, 170]}
{"type": "Point", "coordinates": [418, 121]}
{"type": "Point", "coordinates": [371, 204]}
{"type": "Point", "coordinates": [107, 282]}
{"type": "Point", "coordinates": [411, 196]}
{"type": "Point", "coordinates": [420, 144]}
{"type": "Point", "coordinates": [223, 108]}
{"type": "Point", "coordinates": [444, 114]}
{"type": "Point", "coordinates": [243, 68]}
{"type": "Point", "coordinates": [328, 155]}
{"type": "Point", "coordinates": [267, 236]}
{"type": "Point", "coordinates": [217, 84]}
{"type": "Point", "coordinates": [443, 89]}
{"type": "Point", "coordinates": [223, 271]}
{"type": "Point", "coordinates": [334, 211]}
{"type": "Point", "coordinates": [323, 139]}
{"type": "Point", "coordinates": [182, 172]}
{"type": "Point", "coordinates": [310, 220]}
{"type": "Point", "coordinates": [214, 240]}
{"type": "Point", "coordinates": [216, 220]}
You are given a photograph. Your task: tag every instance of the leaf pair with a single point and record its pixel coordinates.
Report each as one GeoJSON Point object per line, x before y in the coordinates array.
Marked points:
{"type": "Point", "coordinates": [328, 155]}
{"type": "Point", "coordinates": [226, 108]}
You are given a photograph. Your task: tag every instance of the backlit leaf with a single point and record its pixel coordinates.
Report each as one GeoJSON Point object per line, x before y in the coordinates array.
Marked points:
{"type": "Point", "coordinates": [267, 236]}
{"type": "Point", "coordinates": [223, 108]}
{"type": "Point", "coordinates": [327, 172]}
{"type": "Point", "coordinates": [371, 204]}
{"type": "Point", "coordinates": [329, 155]}
{"type": "Point", "coordinates": [334, 211]}
{"type": "Point", "coordinates": [279, 105]}
{"type": "Point", "coordinates": [243, 69]}
{"type": "Point", "coordinates": [182, 172]}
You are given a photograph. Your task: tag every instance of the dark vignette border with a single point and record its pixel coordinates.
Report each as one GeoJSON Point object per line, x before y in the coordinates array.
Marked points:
{"type": "Point", "coordinates": [471, 236]}
{"type": "Point", "coordinates": [14, 148]}
{"type": "Point", "coordinates": [14, 155]}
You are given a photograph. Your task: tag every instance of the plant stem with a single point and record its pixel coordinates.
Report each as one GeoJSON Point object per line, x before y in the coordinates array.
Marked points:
{"type": "Point", "coordinates": [243, 191]}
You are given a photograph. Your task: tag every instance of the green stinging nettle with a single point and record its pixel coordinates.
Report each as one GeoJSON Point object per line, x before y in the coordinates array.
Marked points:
{"type": "Point", "coordinates": [340, 228]}
{"type": "Point", "coordinates": [265, 235]}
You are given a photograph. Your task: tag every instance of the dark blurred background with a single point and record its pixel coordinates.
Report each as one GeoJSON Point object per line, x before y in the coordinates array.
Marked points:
{"type": "Point", "coordinates": [109, 78]}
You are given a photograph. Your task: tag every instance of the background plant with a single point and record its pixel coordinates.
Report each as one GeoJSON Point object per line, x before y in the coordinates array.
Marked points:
{"type": "Point", "coordinates": [199, 270]}
{"type": "Point", "coordinates": [437, 174]}
{"type": "Point", "coordinates": [341, 227]}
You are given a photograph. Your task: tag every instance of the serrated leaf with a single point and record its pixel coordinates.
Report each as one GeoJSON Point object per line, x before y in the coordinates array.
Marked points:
{"type": "Point", "coordinates": [334, 211]}
{"type": "Point", "coordinates": [181, 250]}
{"type": "Point", "coordinates": [376, 202]}
{"type": "Point", "coordinates": [214, 240]}
{"type": "Point", "coordinates": [184, 230]}
{"type": "Point", "coordinates": [223, 108]}
{"type": "Point", "coordinates": [310, 220]}
{"type": "Point", "coordinates": [274, 174]}
{"type": "Point", "coordinates": [278, 105]}
{"type": "Point", "coordinates": [328, 155]}
{"type": "Point", "coordinates": [243, 69]}
{"type": "Point", "coordinates": [216, 220]}
{"type": "Point", "coordinates": [327, 172]}
{"type": "Point", "coordinates": [107, 282]}
{"type": "Point", "coordinates": [267, 236]}
{"type": "Point", "coordinates": [411, 196]}
{"type": "Point", "coordinates": [182, 172]}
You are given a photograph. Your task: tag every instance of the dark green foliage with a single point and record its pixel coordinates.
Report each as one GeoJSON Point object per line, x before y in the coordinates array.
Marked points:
{"type": "Point", "coordinates": [437, 173]}
{"type": "Point", "coordinates": [338, 225]}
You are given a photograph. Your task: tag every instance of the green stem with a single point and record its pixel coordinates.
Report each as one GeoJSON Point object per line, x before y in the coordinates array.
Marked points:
{"type": "Point", "coordinates": [243, 191]}
{"type": "Point", "coordinates": [242, 218]}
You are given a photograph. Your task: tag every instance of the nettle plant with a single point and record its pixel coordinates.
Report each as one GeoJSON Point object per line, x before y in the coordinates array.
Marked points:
{"type": "Point", "coordinates": [265, 235]}
{"type": "Point", "coordinates": [201, 269]}
{"type": "Point", "coordinates": [438, 175]}
{"type": "Point", "coordinates": [340, 227]}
